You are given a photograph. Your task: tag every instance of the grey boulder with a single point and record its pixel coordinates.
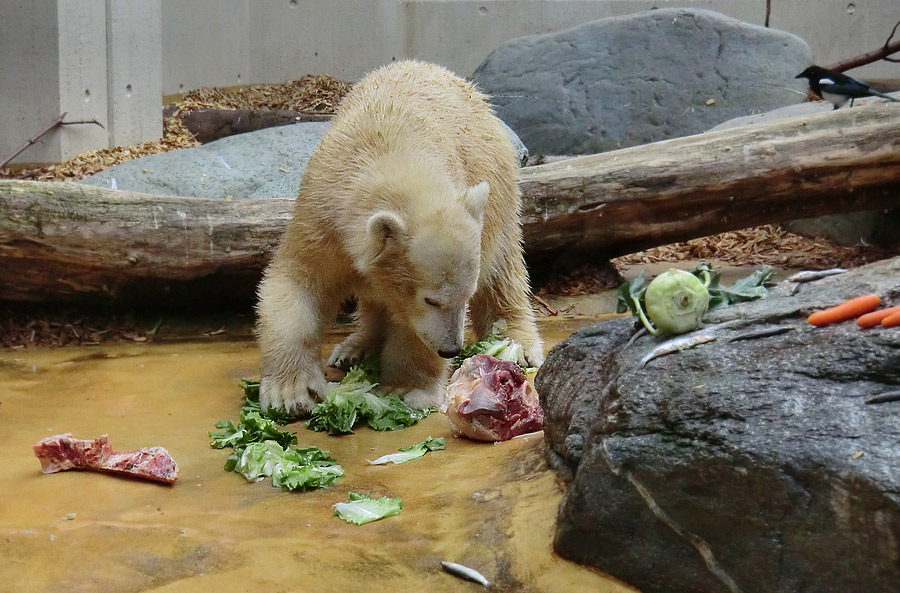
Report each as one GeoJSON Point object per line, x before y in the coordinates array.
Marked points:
{"type": "Point", "coordinates": [630, 80]}
{"type": "Point", "coordinates": [267, 163]}
{"type": "Point", "coordinates": [264, 164]}
{"type": "Point", "coordinates": [751, 463]}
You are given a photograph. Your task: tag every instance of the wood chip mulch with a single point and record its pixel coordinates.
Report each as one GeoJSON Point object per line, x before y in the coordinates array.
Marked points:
{"type": "Point", "coordinates": [317, 93]}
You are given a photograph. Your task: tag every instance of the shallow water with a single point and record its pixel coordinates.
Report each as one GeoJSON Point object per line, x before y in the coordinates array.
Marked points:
{"type": "Point", "coordinates": [488, 506]}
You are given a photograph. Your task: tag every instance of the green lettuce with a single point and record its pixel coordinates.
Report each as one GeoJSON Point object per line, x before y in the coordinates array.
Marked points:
{"type": "Point", "coordinates": [362, 508]}
{"type": "Point", "coordinates": [290, 469]}
{"type": "Point", "coordinates": [253, 428]}
{"type": "Point", "coordinates": [260, 450]}
{"type": "Point", "coordinates": [353, 401]}
{"type": "Point", "coordinates": [493, 344]}
{"type": "Point", "coordinates": [412, 452]}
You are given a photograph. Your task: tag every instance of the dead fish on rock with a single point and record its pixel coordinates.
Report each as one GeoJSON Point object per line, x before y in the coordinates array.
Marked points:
{"type": "Point", "coordinates": [677, 345]}
{"type": "Point", "coordinates": [464, 572]}
{"type": "Point", "coordinates": [813, 275]}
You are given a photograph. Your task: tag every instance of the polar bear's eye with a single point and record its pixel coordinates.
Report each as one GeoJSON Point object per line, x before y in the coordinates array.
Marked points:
{"type": "Point", "coordinates": [432, 302]}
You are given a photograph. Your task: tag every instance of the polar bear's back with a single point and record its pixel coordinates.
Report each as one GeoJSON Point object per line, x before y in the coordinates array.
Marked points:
{"type": "Point", "coordinates": [444, 114]}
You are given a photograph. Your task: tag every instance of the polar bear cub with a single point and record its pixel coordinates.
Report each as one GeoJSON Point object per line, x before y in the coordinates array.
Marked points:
{"type": "Point", "coordinates": [410, 205]}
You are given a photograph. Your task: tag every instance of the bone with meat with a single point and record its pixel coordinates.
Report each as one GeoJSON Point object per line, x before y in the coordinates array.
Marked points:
{"type": "Point", "coordinates": [63, 451]}
{"type": "Point", "coordinates": [491, 400]}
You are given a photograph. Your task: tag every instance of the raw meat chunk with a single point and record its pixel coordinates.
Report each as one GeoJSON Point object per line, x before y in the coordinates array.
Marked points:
{"type": "Point", "coordinates": [63, 451]}
{"type": "Point", "coordinates": [491, 400]}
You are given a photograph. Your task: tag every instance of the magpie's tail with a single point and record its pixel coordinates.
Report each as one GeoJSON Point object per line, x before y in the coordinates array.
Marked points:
{"type": "Point", "coordinates": [883, 96]}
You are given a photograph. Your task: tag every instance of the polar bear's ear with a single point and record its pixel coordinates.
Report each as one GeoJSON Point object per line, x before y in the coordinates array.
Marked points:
{"type": "Point", "coordinates": [385, 229]}
{"type": "Point", "coordinates": [475, 198]}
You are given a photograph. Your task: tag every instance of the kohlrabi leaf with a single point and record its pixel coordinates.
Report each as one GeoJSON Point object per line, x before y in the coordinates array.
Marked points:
{"type": "Point", "coordinates": [744, 289]}
{"type": "Point", "coordinates": [631, 293]}
{"type": "Point", "coordinates": [362, 508]}
{"type": "Point", "coordinates": [412, 452]}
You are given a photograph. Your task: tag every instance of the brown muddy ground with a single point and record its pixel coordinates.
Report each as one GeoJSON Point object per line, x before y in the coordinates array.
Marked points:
{"type": "Point", "coordinates": [491, 507]}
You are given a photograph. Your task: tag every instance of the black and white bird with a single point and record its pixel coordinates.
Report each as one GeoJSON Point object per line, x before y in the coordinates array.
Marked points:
{"type": "Point", "coordinates": [837, 88]}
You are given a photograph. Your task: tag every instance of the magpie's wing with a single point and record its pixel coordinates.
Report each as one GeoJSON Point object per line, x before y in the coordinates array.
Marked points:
{"type": "Point", "coordinates": [835, 83]}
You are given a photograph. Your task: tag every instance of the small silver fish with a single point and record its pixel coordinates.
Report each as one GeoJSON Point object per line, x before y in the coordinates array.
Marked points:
{"type": "Point", "coordinates": [887, 396]}
{"type": "Point", "coordinates": [464, 572]}
{"type": "Point", "coordinates": [677, 345]}
{"type": "Point", "coordinates": [813, 275]}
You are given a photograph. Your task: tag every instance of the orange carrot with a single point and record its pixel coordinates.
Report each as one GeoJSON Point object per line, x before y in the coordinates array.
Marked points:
{"type": "Point", "coordinates": [875, 317]}
{"type": "Point", "coordinates": [847, 310]}
{"type": "Point", "coordinates": [892, 320]}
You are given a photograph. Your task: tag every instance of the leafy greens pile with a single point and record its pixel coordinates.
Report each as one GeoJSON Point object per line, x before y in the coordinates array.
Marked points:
{"type": "Point", "coordinates": [493, 344]}
{"type": "Point", "coordinates": [362, 508]}
{"type": "Point", "coordinates": [353, 401]}
{"type": "Point", "coordinates": [745, 289]}
{"type": "Point", "coordinates": [260, 450]}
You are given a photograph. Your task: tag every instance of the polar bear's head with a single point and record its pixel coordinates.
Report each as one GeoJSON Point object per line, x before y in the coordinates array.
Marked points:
{"type": "Point", "coordinates": [426, 267]}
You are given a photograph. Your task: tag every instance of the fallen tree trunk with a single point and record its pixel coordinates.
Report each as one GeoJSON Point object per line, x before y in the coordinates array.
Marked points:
{"type": "Point", "coordinates": [208, 125]}
{"type": "Point", "coordinates": [627, 200]}
{"type": "Point", "coordinates": [74, 243]}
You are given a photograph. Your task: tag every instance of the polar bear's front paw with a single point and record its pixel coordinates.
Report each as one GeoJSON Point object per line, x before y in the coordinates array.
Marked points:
{"type": "Point", "coordinates": [423, 398]}
{"type": "Point", "coordinates": [292, 396]}
{"type": "Point", "coordinates": [534, 356]}
{"type": "Point", "coordinates": [353, 350]}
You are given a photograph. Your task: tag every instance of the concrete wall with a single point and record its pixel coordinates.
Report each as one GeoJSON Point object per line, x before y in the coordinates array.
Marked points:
{"type": "Point", "coordinates": [113, 59]}
{"type": "Point", "coordinates": [90, 59]}
{"type": "Point", "coordinates": [284, 39]}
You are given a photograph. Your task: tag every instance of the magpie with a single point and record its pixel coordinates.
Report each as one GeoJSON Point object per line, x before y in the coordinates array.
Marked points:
{"type": "Point", "coordinates": [837, 88]}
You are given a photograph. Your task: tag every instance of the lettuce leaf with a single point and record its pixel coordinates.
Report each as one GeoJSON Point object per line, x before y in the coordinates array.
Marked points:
{"type": "Point", "coordinates": [412, 452]}
{"type": "Point", "coordinates": [253, 428]}
{"type": "Point", "coordinates": [260, 450]}
{"type": "Point", "coordinates": [354, 401]}
{"type": "Point", "coordinates": [493, 344]}
{"type": "Point", "coordinates": [290, 469]}
{"type": "Point", "coordinates": [362, 508]}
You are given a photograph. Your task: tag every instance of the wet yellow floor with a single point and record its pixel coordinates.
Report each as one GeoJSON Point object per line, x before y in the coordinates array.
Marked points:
{"type": "Point", "coordinates": [491, 507]}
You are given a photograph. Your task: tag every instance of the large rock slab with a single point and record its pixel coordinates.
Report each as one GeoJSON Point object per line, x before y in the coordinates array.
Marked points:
{"type": "Point", "coordinates": [635, 79]}
{"type": "Point", "coordinates": [268, 163]}
{"type": "Point", "coordinates": [264, 164]}
{"type": "Point", "coordinates": [752, 465]}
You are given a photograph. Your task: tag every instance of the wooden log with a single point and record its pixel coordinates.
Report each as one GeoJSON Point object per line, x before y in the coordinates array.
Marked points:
{"type": "Point", "coordinates": [74, 243]}
{"type": "Point", "coordinates": [627, 200]}
{"type": "Point", "coordinates": [212, 124]}
{"type": "Point", "coordinates": [68, 242]}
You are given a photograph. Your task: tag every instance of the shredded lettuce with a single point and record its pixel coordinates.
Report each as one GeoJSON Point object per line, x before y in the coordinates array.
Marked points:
{"type": "Point", "coordinates": [412, 452]}
{"type": "Point", "coordinates": [362, 508]}
{"type": "Point", "coordinates": [253, 428]}
{"type": "Point", "coordinates": [261, 450]}
{"type": "Point", "coordinates": [290, 469]}
{"type": "Point", "coordinates": [494, 344]}
{"type": "Point", "coordinates": [353, 401]}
